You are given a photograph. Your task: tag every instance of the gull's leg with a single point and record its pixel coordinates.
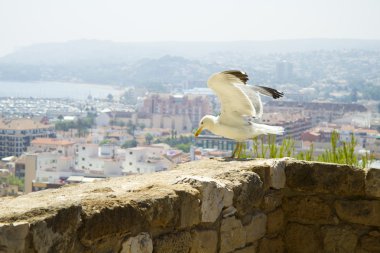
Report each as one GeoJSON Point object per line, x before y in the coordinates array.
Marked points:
{"type": "Point", "coordinates": [234, 152]}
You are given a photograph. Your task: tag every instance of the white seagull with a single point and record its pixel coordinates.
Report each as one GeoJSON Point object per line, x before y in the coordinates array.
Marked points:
{"type": "Point", "coordinates": [240, 106]}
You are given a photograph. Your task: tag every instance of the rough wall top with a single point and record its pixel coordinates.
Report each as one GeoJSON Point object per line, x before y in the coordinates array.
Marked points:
{"type": "Point", "coordinates": [97, 216]}
{"type": "Point", "coordinates": [275, 173]}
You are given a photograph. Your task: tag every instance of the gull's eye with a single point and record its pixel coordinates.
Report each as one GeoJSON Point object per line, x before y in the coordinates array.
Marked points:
{"type": "Point", "coordinates": [202, 123]}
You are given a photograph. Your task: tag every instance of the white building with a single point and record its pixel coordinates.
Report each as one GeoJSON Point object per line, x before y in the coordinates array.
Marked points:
{"type": "Point", "coordinates": [98, 160]}
{"type": "Point", "coordinates": [53, 168]}
{"type": "Point", "coordinates": [103, 119]}
{"type": "Point", "coordinates": [146, 160]}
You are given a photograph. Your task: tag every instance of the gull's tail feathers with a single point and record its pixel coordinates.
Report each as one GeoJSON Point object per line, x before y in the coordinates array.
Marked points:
{"type": "Point", "coordinates": [265, 129]}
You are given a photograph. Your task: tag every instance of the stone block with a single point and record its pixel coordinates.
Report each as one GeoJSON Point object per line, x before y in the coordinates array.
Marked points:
{"type": "Point", "coordinates": [190, 209]}
{"type": "Point", "coordinates": [215, 196]}
{"type": "Point", "coordinates": [232, 235]}
{"type": "Point", "coordinates": [179, 242]}
{"type": "Point", "coordinates": [13, 237]}
{"type": "Point", "coordinates": [277, 174]}
{"type": "Point", "coordinates": [248, 190]}
{"type": "Point", "coordinates": [141, 243]}
{"type": "Point", "coordinates": [256, 228]}
{"type": "Point", "coordinates": [364, 212]}
{"type": "Point", "coordinates": [325, 178]}
{"type": "Point", "coordinates": [271, 200]}
{"type": "Point", "coordinates": [272, 245]}
{"type": "Point", "coordinates": [302, 239]}
{"type": "Point", "coordinates": [372, 183]}
{"type": "Point", "coordinates": [204, 241]}
{"type": "Point", "coordinates": [339, 239]}
{"type": "Point", "coordinates": [249, 249]}
{"type": "Point", "coordinates": [54, 234]}
{"type": "Point", "coordinates": [308, 210]}
{"type": "Point", "coordinates": [263, 170]}
{"type": "Point", "coordinates": [275, 221]}
{"type": "Point", "coordinates": [370, 243]}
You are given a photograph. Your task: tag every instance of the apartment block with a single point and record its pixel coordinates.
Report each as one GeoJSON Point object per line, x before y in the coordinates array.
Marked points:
{"type": "Point", "coordinates": [17, 134]}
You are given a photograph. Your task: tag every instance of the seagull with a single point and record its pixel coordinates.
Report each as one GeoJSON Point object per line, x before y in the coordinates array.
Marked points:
{"type": "Point", "coordinates": [241, 108]}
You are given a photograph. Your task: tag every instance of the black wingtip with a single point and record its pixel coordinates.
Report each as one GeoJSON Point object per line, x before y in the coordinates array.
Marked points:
{"type": "Point", "coordinates": [239, 74]}
{"type": "Point", "coordinates": [275, 93]}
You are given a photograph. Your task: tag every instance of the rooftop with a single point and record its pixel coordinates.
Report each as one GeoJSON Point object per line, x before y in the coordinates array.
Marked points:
{"type": "Point", "coordinates": [52, 141]}
{"type": "Point", "coordinates": [22, 124]}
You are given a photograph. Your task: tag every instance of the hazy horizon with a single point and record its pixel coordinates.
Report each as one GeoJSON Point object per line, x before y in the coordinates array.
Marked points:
{"type": "Point", "coordinates": [25, 23]}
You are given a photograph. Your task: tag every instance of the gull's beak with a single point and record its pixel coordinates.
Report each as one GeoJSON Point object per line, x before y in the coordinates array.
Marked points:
{"type": "Point", "coordinates": [198, 131]}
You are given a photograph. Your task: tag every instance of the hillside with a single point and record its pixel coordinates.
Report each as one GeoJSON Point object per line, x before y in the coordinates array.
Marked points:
{"type": "Point", "coordinates": [152, 64]}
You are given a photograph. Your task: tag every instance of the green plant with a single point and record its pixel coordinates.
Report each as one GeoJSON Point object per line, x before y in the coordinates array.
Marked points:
{"type": "Point", "coordinates": [339, 152]}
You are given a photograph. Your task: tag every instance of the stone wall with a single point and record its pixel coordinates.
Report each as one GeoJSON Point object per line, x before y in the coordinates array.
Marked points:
{"type": "Point", "coordinates": [206, 206]}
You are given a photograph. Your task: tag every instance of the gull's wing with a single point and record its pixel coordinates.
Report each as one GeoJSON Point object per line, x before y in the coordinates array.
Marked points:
{"type": "Point", "coordinates": [254, 97]}
{"type": "Point", "coordinates": [235, 102]}
{"type": "Point", "coordinates": [268, 91]}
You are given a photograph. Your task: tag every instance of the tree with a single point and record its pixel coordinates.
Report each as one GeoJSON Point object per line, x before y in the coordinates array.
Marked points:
{"type": "Point", "coordinates": [60, 117]}
{"type": "Point", "coordinates": [129, 144]}
{"type": "Point", "coordinates": [110, 97]}
{"type": "Point", "coordinates": [131, 128]}
{"type": "Point", "coordinates": [148, 138]}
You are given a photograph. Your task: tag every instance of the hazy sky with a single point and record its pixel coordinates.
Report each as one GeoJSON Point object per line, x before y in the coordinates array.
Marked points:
{"type": "Point", "coordinates": [25, 22]}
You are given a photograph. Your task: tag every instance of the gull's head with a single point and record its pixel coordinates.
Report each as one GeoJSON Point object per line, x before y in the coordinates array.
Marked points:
{"type": "Point", "coordinates": [207, 122]}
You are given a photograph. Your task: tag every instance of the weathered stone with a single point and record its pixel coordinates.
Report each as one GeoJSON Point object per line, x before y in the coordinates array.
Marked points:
{"type": "Point", "coordinates": [301, 239]}
{"type": "Point", "coordinates": [272, 245]}
{"type": "Point", "coordinates": [229, 211]}
{"type": "Point", "coordinates": [232, 235]}
{"type": "Point", "coordinates": [370, 243]}
{"type": "Point", "coordinates": [263, 170]}
{"type": "Point", "coordinates": [179, 242]}
{"type": "Point", "coordinates": [275, 221]}
{"type": "Point", "coordinates": [248, 190]}
{"type": "Point", "coordinates": [372, 183]}
{"type": "Point", "coordinates": [190, 209]}
{"type": "Point", "coordinates": [271, 200]}
{"type": "Point", "coordinates": [256, 229]}
{"type": "Point", "coordinates": [359, 211]}
{"type": "Point", "coordinates": [54, 234]}
{"type": "Point", "coordinates": [374, 233]}
{"type": "Point", "coordinates": [277, 174]}
{"type": "Point", "coordinates": [215, 196]}
{"type": "Point", "coordinates": [141, 243]}
{"type": "Point", "coordinates": [339, 239]}
{"type": "Point", "coordinates": [325, 178]}
{"type": "Point", "coordinates": [308, 210]}
{"type": "Point", "coordinates": [204, 241]}
{"type": "Point", "coordinates": [124, 219]}
{"type": "Point", "coordinates": [110, 215]}
{"type": "Point", "coordinates": [249, 249]}
{"type": "Point", "coordinates": [13, 237]}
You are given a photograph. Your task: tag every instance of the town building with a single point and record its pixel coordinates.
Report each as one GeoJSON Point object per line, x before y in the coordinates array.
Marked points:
{"type": "Point", "coordinates": [17, 134]}
{"type": "Point", "coordinates": [294, 124]}
{"type": "Point", "coordinates": [211, 141]}
{"type": "Point", "coordinates": [284, 71]}
{"type": "Point", "coordinates": [146, 159]}
{"type": "Point", "coordinates": [181, 110]}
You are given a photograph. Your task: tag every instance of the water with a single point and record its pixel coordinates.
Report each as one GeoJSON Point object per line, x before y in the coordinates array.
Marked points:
{"type": "Point", "coordinates": [56, 90]}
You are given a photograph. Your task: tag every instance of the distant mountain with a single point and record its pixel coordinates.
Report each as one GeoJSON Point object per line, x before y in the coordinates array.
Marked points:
{"type": "Point", "coordinates": [115, 52]}
{"type": "Point", "coordinates": [149, 64]}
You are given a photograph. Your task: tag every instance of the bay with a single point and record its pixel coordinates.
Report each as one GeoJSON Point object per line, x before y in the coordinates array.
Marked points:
{"type": "Point", "coordinates": [56, 90]}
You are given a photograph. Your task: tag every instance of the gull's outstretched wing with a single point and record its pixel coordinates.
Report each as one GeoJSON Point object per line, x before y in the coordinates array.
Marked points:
{"type": "Point", "coordinates": [254, 97]}
{"type": "Point", "coordinates": [268, 91]}
{"type": "Point", "coordinates": [236, 105]}
{"type": "Point", "coordinates": [240, 103]}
